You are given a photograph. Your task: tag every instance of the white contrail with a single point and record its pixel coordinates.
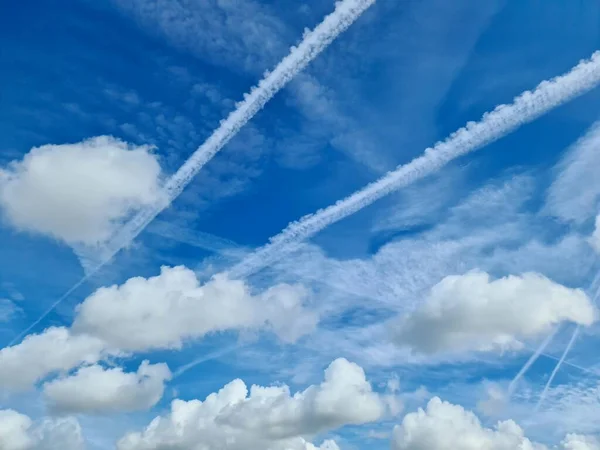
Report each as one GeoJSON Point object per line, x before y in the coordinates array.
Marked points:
{"type": "Point", "coordinates": [493, 125]}
{"type": "Point", "coordinates": [314, 42]}
{"type": "Point", "coordinates": [556, 369]}
{"type": "Point", "coordinates": [544, 344]}
{"type": "Point", "coordinates": [529, 363]}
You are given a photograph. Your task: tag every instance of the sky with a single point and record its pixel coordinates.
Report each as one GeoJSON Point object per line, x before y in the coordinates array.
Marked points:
{"type": "Point", "coordinates": [278, 225]}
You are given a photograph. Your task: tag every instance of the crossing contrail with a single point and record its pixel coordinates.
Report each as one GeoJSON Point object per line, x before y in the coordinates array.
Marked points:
{"type": "Point", "coordinates": [556, 369]}
{"type": "Point", "coordinates": [313, 43]}
{"type": "Point", "coordinates": [492, 126]}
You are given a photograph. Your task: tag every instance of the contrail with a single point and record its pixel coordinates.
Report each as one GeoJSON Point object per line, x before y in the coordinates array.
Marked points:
{"type": "Point", "coordinates": [493, 125]}
{"type": "Point", "coordinates": [314, 42]}
{"type": "Point", "coordinates": [556, 369]}
{"type": "Point", "coordinates": [346, 12]}
{"type": "Point", "coordinates": [544, 344]}
{"type": "Point", "coordinates": [529, 363]}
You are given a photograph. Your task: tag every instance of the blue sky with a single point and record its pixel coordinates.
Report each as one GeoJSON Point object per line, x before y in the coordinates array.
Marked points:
{"type": "Point", "coordinates": [149, 81]}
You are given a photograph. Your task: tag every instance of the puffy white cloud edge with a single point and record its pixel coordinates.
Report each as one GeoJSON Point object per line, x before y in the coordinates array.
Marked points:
{"type": "Point", "coordinates": [79, 193]}
{"type": "Point", "coordinates": [472, 312]}
{"type": "Point", "coordinates": [145, 314]}
{"type": "Point", "coordinates": [19, 432]}
{"type": "Point", "coordinates": [269, 418]}
{"type": "Point", "coordinates": [443, 426]}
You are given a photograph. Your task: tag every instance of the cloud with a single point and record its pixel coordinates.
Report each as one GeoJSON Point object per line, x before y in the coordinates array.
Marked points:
{"type": "Point", "coordinates": [471, 312]}
{"type": "Point", "coordinates": [580, 442]}
{"type": "Point", "coordinates": [54, 350]}
{"type": "Point", "coordinates": [78, 193]}
{"type": "Point", "coordinates": [153, 313]}
{"type": "Point", "coordinates": [162, 311]}
{"type": "Point", "coordinates": [264, 417]}
{"type": "Point", "coordinates": [18, 432]}
{"type": "Point", "coordinates": [443, 426]}
{"type": "Point", "coordinates": [94, 389]}
{"type": "Point", "coordinates": [575, 192]}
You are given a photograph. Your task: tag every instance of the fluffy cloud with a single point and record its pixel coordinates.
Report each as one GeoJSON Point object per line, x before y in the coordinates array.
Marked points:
{"type": "Point", "coordinates": [17, 432]}
{"type": "Point", "coordinates": [94, 389]}
{"type": "Point", "coordinates": [472, 312]}
{"type": "Point", "coordinates": [163, 311]}
{"type": "Point", "coordinates": [54, 350]}
{"type": "Point", "coordinates": [579, 442]}
{"type": "Point", "coordinates": [444, 426]}
{"type": "Point", "coordinates": [79, 193]}
{"type": "Point", "coordinates": [159, 312]}
{"type": "Point", "coordinates": [268, 418]}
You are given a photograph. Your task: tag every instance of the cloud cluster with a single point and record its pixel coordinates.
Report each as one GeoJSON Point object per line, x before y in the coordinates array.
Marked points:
{"type": "Point", "coordinates": [269, 418]}
{"type": "Point", "coordinates": [94, 389]}
{"type": "Point", "coordinates": [163, 311]}
{"type": "Point", "coordinates": [471, 312]}
{"type": "Point", "coordinates": [79, 193]}
{"type": "Point", "coordinates": [18, 432]}
{"type": "Point", "coordinates": [146, 314]}
{"type": "Point", "coordinates": [444, 426]}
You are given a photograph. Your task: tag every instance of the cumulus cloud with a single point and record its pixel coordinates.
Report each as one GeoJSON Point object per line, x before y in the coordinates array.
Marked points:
{"type": "Point", "coordinates": [94, 389]}
{"type": "Point", "coordinates": [444, 426]}
{"type": "Point", "coordinates": [163, 311]}
{"type": "Point", "coordinates": [18, 432]}
{"type": "Point", "coordinates": [268, 418]}
{"type": "Point", "coordinates": [79, 193]}
{"type": "Point", "coordinates": [160, 312]}
{"type": "Point", "coordinates": [471, 312]}
{"type": "Point", "coordinates": [56, 349]}
{"type": "Point", "coordinates": [580, 442]}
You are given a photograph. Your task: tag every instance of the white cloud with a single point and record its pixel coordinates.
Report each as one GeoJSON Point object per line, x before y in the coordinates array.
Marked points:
{"type": "Point", "coordinates": [79, 193]}
{"type": "Point", "coordinates": [94, 389]}
{"type": "Point", "coordinates": [163, 311]}
{"type": "Point", "coordinates": [14, 431]}
{"type": "Point", "coordinates": [472, 312]}
{"type": "Point", "coordinates": [444, 426]}
{"type": "Point", "coordinates": [160, 312]}
{"type": "Point", "coordinates": [580, 442]}
{"type": "Point", "coordinates": [266, 417]}
{"type": "Point", "coordinates": [54, 350]}
{"type": "Point", "coordinates": [18, 432]}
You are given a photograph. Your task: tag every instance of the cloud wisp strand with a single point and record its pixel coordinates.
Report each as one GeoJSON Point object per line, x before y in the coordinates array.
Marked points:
{"type": "Point", "coordinates": [493, 125]}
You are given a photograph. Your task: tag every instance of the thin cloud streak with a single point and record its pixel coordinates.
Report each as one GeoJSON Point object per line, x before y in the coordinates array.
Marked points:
{"type": "Point", "coordinates": [494, 125]}
{"type": "Point", "coordinates": [314, 42]}
{"type": "Point", "coordinates": [529, 363]}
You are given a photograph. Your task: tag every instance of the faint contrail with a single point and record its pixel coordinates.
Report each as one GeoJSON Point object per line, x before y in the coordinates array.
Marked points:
{"type": "Point", "coordinates": [529, 363]}
{"type": "Point", "coordinates": [314, 42]}
{"type": "Point", "coordinates": [555, 371]}
{"type": "Point", "coordinates": [493, 125]}
{"type": "Point", "coordinates": [544, 344]}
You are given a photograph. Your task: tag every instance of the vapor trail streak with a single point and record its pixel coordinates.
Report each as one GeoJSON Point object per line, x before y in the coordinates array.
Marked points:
{"type": "Point", "coordinates": [492, 126]}
{"type": "Point", "coordinates": [557, 367]}
{"type": "Point", "coordinates": [314, 42]}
